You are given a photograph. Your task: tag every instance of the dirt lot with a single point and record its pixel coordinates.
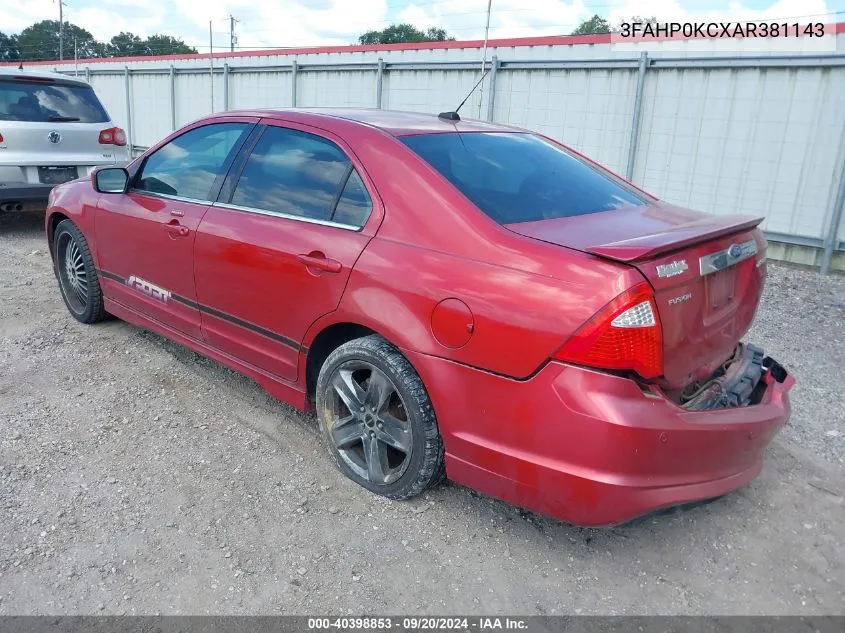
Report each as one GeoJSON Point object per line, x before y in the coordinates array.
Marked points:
{"type": "Point", "coordinates": [137, 477]}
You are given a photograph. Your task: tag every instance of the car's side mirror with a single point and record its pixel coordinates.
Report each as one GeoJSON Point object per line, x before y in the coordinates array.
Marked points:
{"type": "Point", "coordinates": [111, 180]}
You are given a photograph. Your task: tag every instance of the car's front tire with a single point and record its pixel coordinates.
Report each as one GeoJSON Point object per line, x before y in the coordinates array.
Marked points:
{"type": "Point", "coordinates": [377, 420]}
{"type": "Point", "coordinates": [77, 274]}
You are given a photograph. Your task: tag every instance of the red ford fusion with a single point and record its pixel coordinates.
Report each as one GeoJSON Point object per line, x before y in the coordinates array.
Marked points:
{"type": "Point", "coordinates": [455, 298]}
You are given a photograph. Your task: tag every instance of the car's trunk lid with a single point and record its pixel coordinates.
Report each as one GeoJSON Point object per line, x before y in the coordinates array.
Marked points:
{"type": "Point", "coordinates": [706, 272]}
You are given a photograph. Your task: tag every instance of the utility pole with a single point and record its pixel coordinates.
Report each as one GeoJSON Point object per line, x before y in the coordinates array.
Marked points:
{"type": "Point", "coordinates": [484, 57]}
{"type": "Point", "coordinates": [211, 63]}
{"type": "Point", "coordinates": [233, 39]}
{"type": "Point", "coordinates": [61, 29]}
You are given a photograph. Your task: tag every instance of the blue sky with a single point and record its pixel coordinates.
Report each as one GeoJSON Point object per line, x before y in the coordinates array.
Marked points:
{"type": "Point", "coordinates": [275, 23]}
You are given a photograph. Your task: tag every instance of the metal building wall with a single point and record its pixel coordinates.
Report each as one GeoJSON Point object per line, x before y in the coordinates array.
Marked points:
{"type": "Point", "coordinates": [260, 89]}
{"type": "Point", "coordinates": [763, 142]}
{"type": "Point", "coordinates": [588, 109]}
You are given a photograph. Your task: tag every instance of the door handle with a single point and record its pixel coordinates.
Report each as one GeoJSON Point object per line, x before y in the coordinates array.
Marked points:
{"type": "Point", "coordinates": [319, 261]}
{"type": "Point", "coordinates": [176, 230]}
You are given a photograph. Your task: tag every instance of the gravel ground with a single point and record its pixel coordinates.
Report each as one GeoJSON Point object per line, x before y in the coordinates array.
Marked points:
{"type": "Point", "coordinates": [137, 477]}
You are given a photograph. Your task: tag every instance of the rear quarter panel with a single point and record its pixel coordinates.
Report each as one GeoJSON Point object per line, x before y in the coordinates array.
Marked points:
{"type": "Point", "coordinates": [519, 319]}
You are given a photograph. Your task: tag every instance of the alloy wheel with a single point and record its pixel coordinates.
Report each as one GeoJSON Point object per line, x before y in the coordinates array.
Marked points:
{"type": "Point", "coordinates": [368, 423]}
{"type": "Point", "coordinates": [72, 273]}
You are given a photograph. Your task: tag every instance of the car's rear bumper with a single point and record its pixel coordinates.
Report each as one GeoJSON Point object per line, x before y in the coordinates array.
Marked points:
{"type": "Point", "coordinates": [589, 447]}
{"type": "Point", "coordinates": [24, 192]}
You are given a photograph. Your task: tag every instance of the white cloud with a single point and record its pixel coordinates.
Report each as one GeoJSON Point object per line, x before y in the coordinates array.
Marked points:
{"type": "Point", "coordinates": [673, 11]}
{"type": "Point", "coordinates": [465, 19]}
{"type": "Point", "coordinates": [15, 17]}
{"type": "Point", "coordinates": [269, 23]}
{"type": "Point", "coordinates": [105, 24]}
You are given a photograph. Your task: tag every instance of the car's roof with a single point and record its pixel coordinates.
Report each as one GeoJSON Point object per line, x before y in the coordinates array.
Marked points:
{"type": "Point", "coordinates": [17, 73]}
{"type": "Point", "coordinates": [392, 121]}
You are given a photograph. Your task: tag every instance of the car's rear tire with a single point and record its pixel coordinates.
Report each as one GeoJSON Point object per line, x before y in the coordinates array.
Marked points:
{"type": "Point", "coordinates": [77, 274]}
{"type": "Point", "coordinates": [377, 421]}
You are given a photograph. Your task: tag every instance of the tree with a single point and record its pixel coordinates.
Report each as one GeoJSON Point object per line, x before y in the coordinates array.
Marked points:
{"type": "Point", "coordinates": [634, 18]}
{"type": "Point", "coordinates": [594, 25]}
{"type": "Point", "coordinates": [126, 45]}
{"type": "Point", "coordinates": [402, 33]}
{"type": "Point", "coordinates": [159, 44]}
{"type": "Point", "coordinates": [41, 41]}
{"type": "Point", "coordinates": [9, 51]}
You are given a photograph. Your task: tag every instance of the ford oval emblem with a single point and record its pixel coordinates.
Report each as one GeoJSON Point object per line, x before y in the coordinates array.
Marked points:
{"type": "Point", "coordinates": [54, 137]}
{"type": "Point", "coordinates": [735, 250]}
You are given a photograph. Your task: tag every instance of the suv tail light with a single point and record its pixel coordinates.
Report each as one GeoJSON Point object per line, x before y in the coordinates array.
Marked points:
{"type": "Point", "coordinates": [624, 334]}
{"type": "Point", "coordinates": [113, 136]}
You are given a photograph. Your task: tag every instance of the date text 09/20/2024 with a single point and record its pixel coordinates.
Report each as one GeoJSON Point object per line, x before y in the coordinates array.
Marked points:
{"type": "Point", "coordinates": [418, 623]}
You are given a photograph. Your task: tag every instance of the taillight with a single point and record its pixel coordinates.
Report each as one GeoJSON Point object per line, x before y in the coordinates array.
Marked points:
{"type": "Point", "coordinates": [113, 136]}
{"type": "Point", "coordinates": [624, 334]}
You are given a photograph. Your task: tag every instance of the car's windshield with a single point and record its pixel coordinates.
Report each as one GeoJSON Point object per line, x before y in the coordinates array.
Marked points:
{"type": "Point", "coordinates": [515, 177]}
{"type": "Point", "coordinates": [47, 102]}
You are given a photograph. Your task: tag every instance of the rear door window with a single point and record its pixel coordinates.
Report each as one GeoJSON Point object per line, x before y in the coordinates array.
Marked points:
{"type": "Point", "coordinates": [294, 173]}
{"type": "Point", "coordinates": [515, 177]}
{"type": "Point", "coordinates": [49, 102]}
{"type": "Point", "coordinates": [354, 205]}
{"type": "Point", "coordinates": [193, 164]}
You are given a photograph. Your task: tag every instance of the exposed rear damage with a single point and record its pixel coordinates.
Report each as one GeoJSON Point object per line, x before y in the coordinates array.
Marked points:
{"type": "Point", "coordinates": [740, 381]}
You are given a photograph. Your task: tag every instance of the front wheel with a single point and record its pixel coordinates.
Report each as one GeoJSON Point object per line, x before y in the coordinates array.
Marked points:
{"type": "Point", "coordinates": [77, 274]}
{"type": "Point", "coordinates": [377, 420]}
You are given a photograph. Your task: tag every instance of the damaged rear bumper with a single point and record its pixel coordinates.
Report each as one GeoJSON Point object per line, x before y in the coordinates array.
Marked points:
{"type": "Point", "coordinates": [741, 381]}
{"type": "Point", "coordinates": [593, 448]}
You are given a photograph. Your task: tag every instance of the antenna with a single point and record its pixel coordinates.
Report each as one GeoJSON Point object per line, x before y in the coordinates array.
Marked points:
{"type": "Point", "coordinates": [453, 116]}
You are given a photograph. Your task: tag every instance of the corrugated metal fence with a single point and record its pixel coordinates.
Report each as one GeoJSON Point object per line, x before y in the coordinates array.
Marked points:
{"type": "Point", "coordinates": [757, 134]}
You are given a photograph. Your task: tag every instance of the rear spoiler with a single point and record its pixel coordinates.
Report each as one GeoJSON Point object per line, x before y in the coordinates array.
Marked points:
{"type": "Point", "coordinates": [674, 239]}
{"type": "Point", "coordinates": [38, 79]}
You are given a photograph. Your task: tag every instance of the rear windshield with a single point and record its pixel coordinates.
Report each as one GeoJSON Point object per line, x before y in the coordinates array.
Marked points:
{"type": "Point", "coordinates": [514, 177]}
{"type": "Point", "coordinates": [45, 102]}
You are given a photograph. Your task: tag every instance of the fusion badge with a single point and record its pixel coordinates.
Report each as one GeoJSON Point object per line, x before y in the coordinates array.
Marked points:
{"type": "Point", "coordinates": [152, 291]}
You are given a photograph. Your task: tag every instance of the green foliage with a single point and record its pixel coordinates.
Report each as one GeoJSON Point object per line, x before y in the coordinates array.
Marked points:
{"type": "Point", "coordinates": [159, 44]}
{"type": "Point", "coordinates": [41, 41]}
{"type": "Point", "coordinates": [9, 51]}
{"type": "Point", "coordinates": [125, 45]}
{"type": "Point", "coordinates": [403, 33]}
{"type": "Point", "coordinates": [635, 18]}
{"type": "Point", "coordinates": [594, 25]}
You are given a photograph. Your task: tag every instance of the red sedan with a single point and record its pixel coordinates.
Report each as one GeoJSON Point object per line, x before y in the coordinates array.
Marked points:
{"type": "Point", "coordinates": [454, 297]}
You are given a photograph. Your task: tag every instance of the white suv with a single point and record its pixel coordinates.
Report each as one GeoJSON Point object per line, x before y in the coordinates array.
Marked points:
{"type": "Point", "coordinates": [52, 129]}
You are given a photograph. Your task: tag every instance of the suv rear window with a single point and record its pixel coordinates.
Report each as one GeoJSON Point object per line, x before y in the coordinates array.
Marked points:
{"type": "Point", "coordinates": [516, 177]}
{"type": "Point", "coordinates": [45, 101]}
